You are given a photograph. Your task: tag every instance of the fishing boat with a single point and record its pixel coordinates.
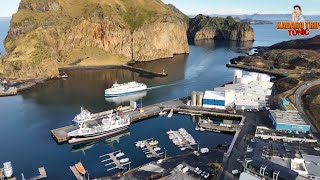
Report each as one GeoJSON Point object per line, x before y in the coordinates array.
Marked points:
{"type": "Point", "coordinates": [124, 160]}
{"type": "Point", "coordinates": [125, 88]}
{"type": "Point", "coordinates": [83, 116]}
{"type": "Point", "coordinates": [80, 168]}
{"type": "Point", "coordinates": [7, 169]}
{"type": "Point", "coordinates": [120, 154]}
{"type": "Point", "coordinates": [153, 142]}
{"type": "Point", "coordinates": [110, 125]}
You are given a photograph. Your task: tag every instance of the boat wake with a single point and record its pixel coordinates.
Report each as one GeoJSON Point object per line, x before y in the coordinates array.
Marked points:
{"type": "Point", "coordinates": [183, 82]}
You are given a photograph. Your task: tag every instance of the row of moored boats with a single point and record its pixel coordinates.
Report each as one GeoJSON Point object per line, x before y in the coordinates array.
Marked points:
{"type": "Point", "coordinates": [181, 138]}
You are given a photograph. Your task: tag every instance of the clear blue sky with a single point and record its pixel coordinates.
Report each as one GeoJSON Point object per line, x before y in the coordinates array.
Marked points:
{"type": "Point", "coordinates": [8, 7]}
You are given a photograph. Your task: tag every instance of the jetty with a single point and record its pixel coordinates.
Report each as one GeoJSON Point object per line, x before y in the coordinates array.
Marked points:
{"type": "Point", "coordinates": [175, 105]}
{"type": "Point", "coordinates": [115, 161]}
{"type": "Point", "coordinates": [42, 174]}
{"type": "Point", "coordinates": [76, 173]}
{"type": "Point", "coordinates": [151, 150]}
{"type": "Point", "coordinates": [217, 128]}
{"type": "Point", "coordinates": [131, 68]}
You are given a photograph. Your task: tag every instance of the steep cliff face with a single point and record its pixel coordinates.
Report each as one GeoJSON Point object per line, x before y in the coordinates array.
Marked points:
{"type": "Point", "coordinates": [44, 33]}
{"type": "Point", "coordinates": [205, 27]}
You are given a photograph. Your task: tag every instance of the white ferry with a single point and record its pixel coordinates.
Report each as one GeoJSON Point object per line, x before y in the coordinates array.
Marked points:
{"type": "Point", "coordinates": [126, 88]}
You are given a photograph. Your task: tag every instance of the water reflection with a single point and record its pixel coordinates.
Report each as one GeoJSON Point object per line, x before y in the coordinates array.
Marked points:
{"type": "Point", "coordinates": [126, 98]}
{"type": "Point", "coordinates": [109, 141]}
{"type": "Point", "coordinates": [212, 44]}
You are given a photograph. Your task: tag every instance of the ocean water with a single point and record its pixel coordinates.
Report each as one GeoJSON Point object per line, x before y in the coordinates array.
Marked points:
{"type": "Point", "coordinates": [27, 119]}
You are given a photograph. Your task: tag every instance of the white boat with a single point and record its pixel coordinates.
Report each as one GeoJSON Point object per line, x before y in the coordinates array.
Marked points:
{"type": "Point", "coordinates": [140, 144]}
{"type": "Point", "coordinates": [124, 160]}
{"type": "Point", "coordinates": [83, 116]}
{"type": "Point", "coordinates": [157, 149]}
{"type": "Point", "coordinates": [159, 161]}
{"type": "Point", "coordinates": [204, 150]}
{"type": "Point", "coordinates": [170, 132]}
{"type": "Point", "coordinates": [120, 154]}
{"type": "Point", "coordinates": [183, 148]}
{"type": "Point", "coordinates": [126, 88]}
{"type": "Point", "coordinates": [149, 156]}
{"type": "Point", "coordinates": [110, 126]}
{"type": "Point", "coordinates": [162, 113]}
{"type": "Point", "coordinates": [7, 169]}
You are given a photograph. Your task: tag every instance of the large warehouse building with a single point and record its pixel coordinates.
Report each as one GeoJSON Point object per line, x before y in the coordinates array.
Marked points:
{"type": "Point", "coordinates": [288, 121]}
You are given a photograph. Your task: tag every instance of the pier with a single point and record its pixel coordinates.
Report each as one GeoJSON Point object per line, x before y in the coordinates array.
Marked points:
{"type": "Point", "coordinates": [151, 150]}
{"type": "Point", "coordinates": [42, 175]}
{"type": "Point", "coordinates": [175, 105]}
{"type": "Point", "coordinates": [217, 128]}
{"type": "Point", "coordinates": [131, 68]}
{"type": "Point", "coordinates": [76, 173]}
{"type": "Point", "coordinates": [114, 160]}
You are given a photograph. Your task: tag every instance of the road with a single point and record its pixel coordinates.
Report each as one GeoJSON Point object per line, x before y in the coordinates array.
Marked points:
{"type": "Point", "coordinates": [299, 103]}
{"type": "Point", "coordinates": [253, 119]}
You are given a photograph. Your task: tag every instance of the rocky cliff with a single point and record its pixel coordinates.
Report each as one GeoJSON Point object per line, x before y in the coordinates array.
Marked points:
{"type": "Point", "coordinates": [47, 34]}
{"type": "Point", "coordinates": [205, 27]}
{"type": "Point", "coordinates": [297, 55]}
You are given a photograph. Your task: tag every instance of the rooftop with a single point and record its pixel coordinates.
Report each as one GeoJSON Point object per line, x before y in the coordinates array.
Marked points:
{"type": "Point", "coordinates": [246, 103]}
{"type": "Point", "coordinates": [312, 164]}
{"type": "Point", "coordinates": [219, 95]}
{"type": "Point", "coordinates": [284, 134]}
{"type": "Point", "coordinates": [287, 117]}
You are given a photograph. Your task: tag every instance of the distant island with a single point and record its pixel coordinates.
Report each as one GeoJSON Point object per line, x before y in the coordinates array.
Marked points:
{"type": "Point", "coordinates": [252, 21]}
{"type": "Point", "coordinates": [205, 27]}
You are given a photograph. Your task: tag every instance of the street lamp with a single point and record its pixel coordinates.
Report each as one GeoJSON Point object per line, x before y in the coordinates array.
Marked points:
{"type": "Point", "coordinates": [165, 153]}
{"type": "Point", "coordinates": [198, 146]}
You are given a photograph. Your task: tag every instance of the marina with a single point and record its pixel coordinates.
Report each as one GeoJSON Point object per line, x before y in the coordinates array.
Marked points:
{"type": "Point", "coordinates": [149, 147]}
{"type": "Point", "coordinates": [113, 157]}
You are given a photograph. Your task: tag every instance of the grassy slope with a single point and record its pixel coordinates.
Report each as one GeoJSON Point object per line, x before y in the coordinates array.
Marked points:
{"type": "Point", "coordinates": [312, 104]}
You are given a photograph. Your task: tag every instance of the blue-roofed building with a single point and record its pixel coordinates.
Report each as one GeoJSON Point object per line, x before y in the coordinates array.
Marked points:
{"type": "Point", "coordinates": [288, 121]}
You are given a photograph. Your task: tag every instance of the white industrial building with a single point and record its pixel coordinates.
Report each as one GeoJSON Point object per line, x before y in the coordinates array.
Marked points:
{"type": "Point", "coordinates": [248, 92]}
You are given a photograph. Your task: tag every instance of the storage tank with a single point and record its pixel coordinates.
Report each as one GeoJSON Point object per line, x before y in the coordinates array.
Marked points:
{"type": "Point", "coordinates": [199, 99]}
{"type": "Point", "coordinates": [254, 76]}
{"type": "Point", "coordinates": [246, 79]}
{"type": "Point", "coordinates": [194, 98]}
{"type": "Point", "coordinates": [264, 77]}
{"type": "Point", "coordinates": [237, 75]}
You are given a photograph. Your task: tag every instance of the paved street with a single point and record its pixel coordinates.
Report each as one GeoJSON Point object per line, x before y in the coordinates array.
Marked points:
{"type": "Point", "coordinates": [299, 103]}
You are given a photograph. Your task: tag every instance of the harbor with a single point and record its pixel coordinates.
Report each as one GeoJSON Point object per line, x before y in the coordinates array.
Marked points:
{"type": "Point", "coordinates": [175, 105]}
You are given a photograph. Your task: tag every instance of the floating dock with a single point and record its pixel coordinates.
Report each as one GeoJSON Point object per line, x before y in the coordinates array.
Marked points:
{"type": "Point", "coordinates": [76, 173]}
{"type": "Point", "coordinates": [151, 150]}
{"type": "Point", "coordinates": [42, 175]}
{"type": "Point", "coordinates": [114, 160]}
{"type": "Point", "coordinates": [175, 105]}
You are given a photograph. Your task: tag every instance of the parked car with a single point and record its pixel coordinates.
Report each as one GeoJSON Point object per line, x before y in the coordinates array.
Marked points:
{"type": "Point", "coordinates": [203, 173]}
{"type": "Point", "coordinates": [207, 175]}
{"type": "Point", "coordinates": [199, 172]}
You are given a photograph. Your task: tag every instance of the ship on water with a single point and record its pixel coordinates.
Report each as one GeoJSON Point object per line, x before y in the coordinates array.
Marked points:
{"type": "Point", "coordinates": [83, 116]}
{"type": "Point", "coordinates": [125, 88]}
{"type": "Point", "coordinates": [109, 126]}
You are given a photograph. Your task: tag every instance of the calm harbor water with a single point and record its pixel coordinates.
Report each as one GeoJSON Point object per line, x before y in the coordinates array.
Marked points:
{"type": "Point", "coordinates": [26, 119]}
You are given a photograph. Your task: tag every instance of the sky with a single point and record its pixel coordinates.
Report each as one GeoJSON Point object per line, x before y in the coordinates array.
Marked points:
{"type": "Point", "coordinates": [223, 7]}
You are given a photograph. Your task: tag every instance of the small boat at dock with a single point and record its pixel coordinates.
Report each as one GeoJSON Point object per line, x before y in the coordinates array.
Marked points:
{"type": "Point", "coordinates": [120, 154]}
{"type": "Point", "coordinates": [124, 160]}
{"type": "Point", "coordinates": [7, 169]}
{"type": "Point", "coordinates": [153, 142]}
{"type": "Point", "coordinates": [162, 113]}
{"type": "Point", "coordinates": [140, 144]}
{"type": "Point", "coordinates": [80, 168]}
{"type": "Point", "coordinates": [157, 149]}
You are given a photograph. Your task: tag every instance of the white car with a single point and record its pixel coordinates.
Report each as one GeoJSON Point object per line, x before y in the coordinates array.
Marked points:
{"type": "Point", "coordinates": [235, 171]}
{"type": "Point", "coordinates": [196, 169]}
{"type": "Point", "coordinates": [199, 172]}
{"type": "Point", "coordinates": [207, 175]}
